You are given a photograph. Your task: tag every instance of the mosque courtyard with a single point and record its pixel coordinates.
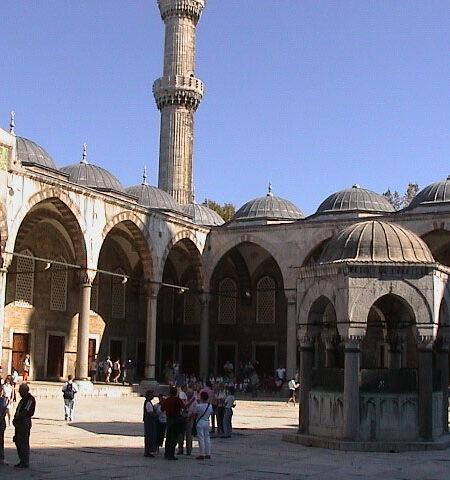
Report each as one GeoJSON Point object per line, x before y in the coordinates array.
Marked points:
{"type": "Point", "coordinates": [105, 441]}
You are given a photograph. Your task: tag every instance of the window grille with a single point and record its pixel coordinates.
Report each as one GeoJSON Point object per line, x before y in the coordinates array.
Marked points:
{"type": "Point", "coordinates": [227, 301]}
{"type": "Point", "coordinates": [24, 280]}
{"type": "Point", "coordinates": [191, 305]}
{"type": "Point", "coordinates": [118, 296]}
{"type": "Point", "coordinates": [58, 288]}
{"type": "Point", "coordinates": [94, 294]}
{"type": "Point", "coordinates": [265, 300]}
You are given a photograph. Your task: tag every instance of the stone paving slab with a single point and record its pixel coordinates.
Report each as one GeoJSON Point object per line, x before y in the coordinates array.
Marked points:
{"type": "Point", "coordinates": [105, 442]}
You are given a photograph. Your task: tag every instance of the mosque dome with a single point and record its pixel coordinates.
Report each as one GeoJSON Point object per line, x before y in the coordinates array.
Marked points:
{"type": "Point", "coordinates": [153, 197]}
{"type": "Point", "coordinates": [354, 199]}
{"type": "Point", "coordinates": [29, 152]}
{"type": "Point", "coordinates": [269, 207]}
{"type": "Point", "coordinates": [92, 176]}
{"type": "Point", "coordinates": [375, 241]}
{"type": "Point", "coordinates": [202, 215]}
{"type": "Point", "coordinates": [438, 192]}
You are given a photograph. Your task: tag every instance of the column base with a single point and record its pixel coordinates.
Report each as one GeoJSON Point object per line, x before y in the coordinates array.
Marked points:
{"type": "Point", "coordinates": [154, 385]}
{"type": "Point", "coordinates": [84, 386]}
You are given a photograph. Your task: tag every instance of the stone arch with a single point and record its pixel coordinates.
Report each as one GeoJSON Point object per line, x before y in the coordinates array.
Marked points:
{"type": "Point", "coordinates": [359, 309]}
{"type": "Point", "coordinates": [68, 216]}
{"type": "Point", "coordinates": [194, 247]}
{"type": "Point", "coordinates": [438, 240]}
{"type": "Point", "coordinates": [235, 242]}
{"type": "Point", "coordinates": [314, 253]}
{"type": "Point", "coordinates": [3, 227]}
{"type": "Point", "coordinates": [140, 236]}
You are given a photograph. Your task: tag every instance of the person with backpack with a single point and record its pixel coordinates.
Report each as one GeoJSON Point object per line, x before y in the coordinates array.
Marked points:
{"type": "Point", "coordinates": [69, 390]}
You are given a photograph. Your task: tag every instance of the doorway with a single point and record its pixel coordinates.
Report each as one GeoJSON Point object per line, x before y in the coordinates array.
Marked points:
{"type": "Point", "coordinates": [190, 359]}
{"type": "Point", "coordinates": [224, 353]}
{"type": "Point", "coordinates": [55, 356]}
{"type": "Point", "coordinates": [140, 359]}
{"type": "Point", "coordinates": [21, 346]}
{"type": "Point", "coordinates": [116, 350]}
{"type": "Point", "coordinates": [92, 353]}
{"type": "Point", "coordinates": [265, 355]}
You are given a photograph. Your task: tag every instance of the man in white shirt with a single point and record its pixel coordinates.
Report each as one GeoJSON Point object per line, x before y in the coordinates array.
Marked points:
{"type": "Point", "coordinates": [69, 390]}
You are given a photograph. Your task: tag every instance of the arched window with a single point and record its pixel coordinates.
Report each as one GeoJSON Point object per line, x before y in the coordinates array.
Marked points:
{"type": "Point", "coordinates": [265, 300]}
{"type": "Point", "coordinates": [191, 305]}
{"type": "Point", "coordinates": [24, 280]}
{"type": "Point", "coordinates": [58, 287]}
{"type": "Point", "coordinates": [227, 301]}
{"type": "Point", "coordinates": [94, 293]}
{"type": "Point", "coordinates": [118, 295]}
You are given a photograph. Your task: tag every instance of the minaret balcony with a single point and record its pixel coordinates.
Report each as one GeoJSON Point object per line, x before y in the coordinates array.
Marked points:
{"type": "Point", "coordinates": [178, 90]}
{"type": "Point", "coordinates": [181, 8]}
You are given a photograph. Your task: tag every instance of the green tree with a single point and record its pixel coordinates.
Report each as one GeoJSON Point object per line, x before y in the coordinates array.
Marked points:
{"type": "Point", "coordinates": [226, 211]}
{"type": "Point", "coordinates": [401, 201]}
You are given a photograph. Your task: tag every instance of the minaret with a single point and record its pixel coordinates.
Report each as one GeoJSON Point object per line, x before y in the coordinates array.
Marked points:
{"type": "Point", "coordinates": [178, 94]}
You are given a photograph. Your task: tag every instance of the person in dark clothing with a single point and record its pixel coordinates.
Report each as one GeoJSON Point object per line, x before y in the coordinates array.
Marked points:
{"type": "Point", "coordinates": [150, 425]}
{"type": "Point", "coordinates": [173, 407]}
{"type": "Point", "coordinates": [3, 409]}
{"type": "Point", "coordinates": [22, 424]}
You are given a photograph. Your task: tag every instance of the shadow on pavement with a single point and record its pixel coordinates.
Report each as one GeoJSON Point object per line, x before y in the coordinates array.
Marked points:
{"type": "Point", "coordinates": [127, 429]}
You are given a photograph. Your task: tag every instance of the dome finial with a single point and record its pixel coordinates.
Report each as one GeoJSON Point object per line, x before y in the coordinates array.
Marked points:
{"type": "Point", "coordinates": [355, 185]}
{"type": "Point", "coordinates": [144, 176]}
{"type": "Point", "coordinates": [12, 123]}
{"type": "Point", "coordinates": [84, 156]}
{"type": "Point", "coordinates": [269, 193]}
{"type": "Point", "coordinates": [448, 178]}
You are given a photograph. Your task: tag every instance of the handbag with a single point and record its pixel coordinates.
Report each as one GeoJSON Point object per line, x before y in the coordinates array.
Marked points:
{"type": "Point", "coordinates": [194, 426]}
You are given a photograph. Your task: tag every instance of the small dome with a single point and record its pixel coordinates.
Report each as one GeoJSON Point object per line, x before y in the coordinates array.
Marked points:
{"type": "Point", "coordinates": [202, 215]}
{"type": "Point", "coordinates": [31, 153]}
{"type": "Point", "coordinates": [376, 241]}
{"type": "Point", "coordinates": [355, 198]}
{"type": "Point", "coordinates": [269, 207]}
{"type": "Point", "coordinates": [92, 176]}
{"type": "Point", "coordinates": [435, 193]}
{"type": "Point", "coordinates": [153, 197]}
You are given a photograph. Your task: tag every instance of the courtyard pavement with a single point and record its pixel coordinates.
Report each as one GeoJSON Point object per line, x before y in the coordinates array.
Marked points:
{"type": "Point", "coordinates": [105, 442]}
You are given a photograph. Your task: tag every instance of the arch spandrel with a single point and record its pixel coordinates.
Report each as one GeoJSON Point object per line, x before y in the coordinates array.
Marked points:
{"type": "Point", "coordinates": [362, 299]}
{"type": "Point", "coordinates": [3, 227]}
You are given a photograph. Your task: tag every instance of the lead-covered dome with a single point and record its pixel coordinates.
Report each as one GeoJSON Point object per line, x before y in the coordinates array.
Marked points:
{"type": "Point", "coordinates": [269, 207]}
{"type": "Point", "coordinates": [153, 197]}
{"type": "Point", "coordinates": [202, 215]}
{"type": "Point", "coordinates": [433, 194]}
{"type": "Point", "coordinates": [29, 152]}
{"type": "Point", "coordinates": [376, 241]}
{"type": "Point", "coordinates": [355, 199]}
{"type": "Point", "coordinates": [92, 176]}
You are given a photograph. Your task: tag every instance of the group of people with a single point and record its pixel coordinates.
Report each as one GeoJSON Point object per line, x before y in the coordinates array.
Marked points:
{"type": "Point", "coordinates": [113, 372]}
{"type": "Point", "coordinates": [188, 411]}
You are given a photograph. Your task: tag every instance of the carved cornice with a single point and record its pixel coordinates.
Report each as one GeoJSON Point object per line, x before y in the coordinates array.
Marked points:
{"type": "Point", "coordinates": [86, 277]}
{"type": "Point", "coordinates": [181, 9]}
{"type": "Point", "coordinates": [178, 90]}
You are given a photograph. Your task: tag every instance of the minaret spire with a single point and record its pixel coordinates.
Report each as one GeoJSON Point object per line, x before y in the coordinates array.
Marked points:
{"type": "Point", "coordinates": [144, 176]}
{"type": "Point", "coordinates": [12, 123]}
{"type": "Point", "coordinates": [178, 94]}
{"type": "Point", "coordinates": [84, 155]}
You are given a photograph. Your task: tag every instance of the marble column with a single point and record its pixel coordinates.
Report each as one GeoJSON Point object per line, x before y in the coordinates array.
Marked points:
{"type": "Point", "coordinates": [425, 388]}
{"type": "Point", "coordinates": [81, 370]}
{"type": "Point", "coordinates": [351, 388]}
{"type": "Point", "coordinates": [3, 274]}
{"type": "Point", "coordinates": [306, 364]}
{"type": "Point", "coordinates": [204, 335]}
{"type": "Point", "coordinates": [151, 299]}
{"type": "Point", "coordinates": [291, 335]}
{"type": "Point", "coordinates": [442, 361]}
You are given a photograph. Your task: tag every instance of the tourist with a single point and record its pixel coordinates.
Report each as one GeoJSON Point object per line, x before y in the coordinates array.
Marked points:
{"type": "Point", "coordinates": [212, 400]}
{"type": "Point", "coordinates": [228, 369]}
{"type": "Point", "coordinates": [280, 377]}
{"type": "Point", "coordinates": [254, 383]}
{"type": "Point", "coordinates": [228, 413]}
{"type": "Point", "coordinates": [204, 410]}
{"type": "Point", "coordinates": [93, 369]}
{"type": "Point", "coordinates": [189, 419]}
{"type": "Point", "coordinates": [173, 407]}
{"type": "Point", "coordinates": [9, 394]}
{"type": "Point", "coordinates": [150, 419]}
{"type": "Point", "coordinates": [182, 395]}
{"type": "Point", "coordinates": [22, 424]}
{"type": "Point", "coordinates": [14, 377]}
{"type": "Point", "coordinates": [116, 370]}
{"type": "Point", "coordinates": [221, 395]}
{"type": "Point", "coordinates": [127, 372]}
{"type": "Point", "coordinates": [107, 369]}
{"type": "Point", "coordinates": [3, 411]}
{"type": "Point", "coordinates": [26, 366]}
{"type": "Point", "coordinates": [69, 390]}
{"type": "Point", "coordinates": [293, 385]}
{"type": "Point", "coordinates": [162, 422]}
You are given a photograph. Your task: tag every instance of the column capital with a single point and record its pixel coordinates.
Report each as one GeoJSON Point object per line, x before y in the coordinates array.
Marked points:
{"type": "Point", "coordinates": [150, 288]}
{"type": "Point", "coordinates": [353, 343]}
{"type": "Point", "coordinates": [331, 341]}
{"type": "Point", "coordinates": [425, 343]}
{"type": "Point", "coordinates": [204, 298]}
{"type": "Point", "coordinates": [306, 341]}
{"type": "Point", "coordinates": [86, 277]}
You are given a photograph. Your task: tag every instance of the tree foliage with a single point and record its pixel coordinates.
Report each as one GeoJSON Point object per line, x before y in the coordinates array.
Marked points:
{"type": "Point", "coordinates": [226, 211]}
{"type": "Point", "coordinates": [399, 201]}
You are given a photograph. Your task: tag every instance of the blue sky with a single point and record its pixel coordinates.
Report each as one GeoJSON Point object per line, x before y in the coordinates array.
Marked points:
{"type": "Point", "coordinates": [312, 95]}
